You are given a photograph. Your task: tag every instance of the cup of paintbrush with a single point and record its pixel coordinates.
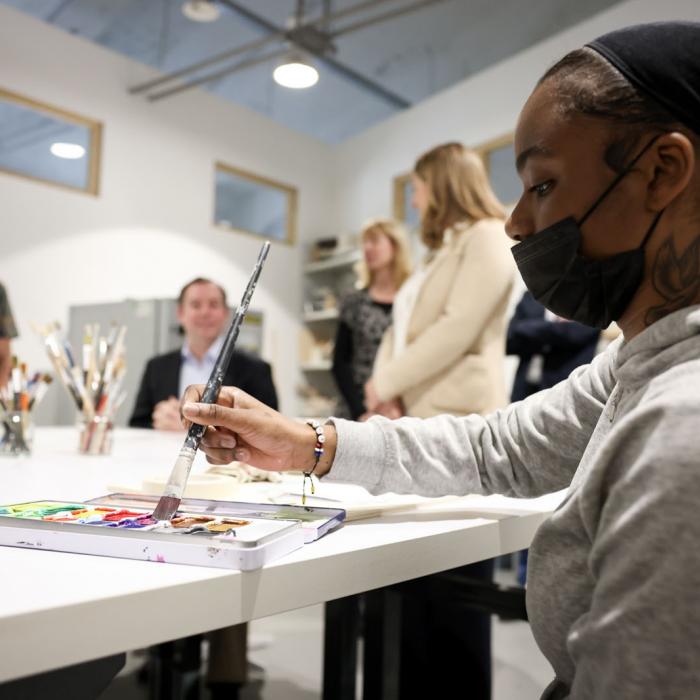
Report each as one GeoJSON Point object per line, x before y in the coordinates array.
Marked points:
{"type": "Point", "coordinates": [17, 402]}
{"type": "Point", "coordinates": [96, 430]}
{"type": "Point", "coordinates": [100, 381]}
{"type": "Point", "coordinates": [95, 436]}
{"type": "Point", "coordinates": [94, 383]}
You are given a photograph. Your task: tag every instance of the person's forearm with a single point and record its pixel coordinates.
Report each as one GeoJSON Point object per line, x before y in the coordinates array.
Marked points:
{"type": "Point", "coordinates": [329, 446]}
{"type": "Point", "coordinates": [305, 451]}
{"type": "Point", "coordinates": [531, 448]}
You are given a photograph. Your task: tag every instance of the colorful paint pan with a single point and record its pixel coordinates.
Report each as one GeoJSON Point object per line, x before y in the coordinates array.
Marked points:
{"type": "Point", "coordinates": [125, 531]}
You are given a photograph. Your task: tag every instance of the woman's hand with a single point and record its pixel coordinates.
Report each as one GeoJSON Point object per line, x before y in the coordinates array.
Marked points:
{"type": "Point", "coordinates": [243, 429]}
{"type": "Point", "coordinates": [375, 406]}
{"type": "Point", "coordinates": [371, 398]}
{"type": "Point", "coordinates": [391, 409]}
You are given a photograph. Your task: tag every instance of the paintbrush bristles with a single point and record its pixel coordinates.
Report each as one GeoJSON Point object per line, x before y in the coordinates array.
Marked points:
{"type": "Point", "coordinates": [95, 383]}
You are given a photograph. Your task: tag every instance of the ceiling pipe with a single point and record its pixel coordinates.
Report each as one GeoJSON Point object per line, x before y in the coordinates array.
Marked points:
{"type": "Point", "coordinates": [251, 46]}
{"type": "Point", "coordinates": [357, 7]}
{"type": "Point", "coordinates": [325, 21]}
{"type": "Point", "coordinates": [248, 63]}
{"type": "Point", "coordinates": [276, 34]}
{"type": "Point", "coordinates": [339, 68]}
{"type": "Point", "coordinates": [392, 14]}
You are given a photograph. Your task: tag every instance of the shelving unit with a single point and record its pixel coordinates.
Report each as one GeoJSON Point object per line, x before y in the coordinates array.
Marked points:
{"type": "Point", "coordinates": [325, 282]}
{"type": "Point", "coordinates": [333, 262]}
{"type": "Point", "coordinates": [324, 366]}
{"type": "Point", "coordinates": [323, 315]}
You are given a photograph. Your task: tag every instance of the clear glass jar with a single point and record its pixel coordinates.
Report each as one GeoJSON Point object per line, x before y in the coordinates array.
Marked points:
{"type": "Point", "coordinates": [17, 433]}
{"type": "Point", "coordinates": [95, 436]}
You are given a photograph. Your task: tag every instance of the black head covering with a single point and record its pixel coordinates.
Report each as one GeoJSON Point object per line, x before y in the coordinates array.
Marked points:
{"type": "Point", "coordinates": [661, 59]}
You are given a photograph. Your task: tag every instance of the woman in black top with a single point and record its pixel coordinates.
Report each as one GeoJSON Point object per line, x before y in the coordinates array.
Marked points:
{"type": "Point", "coordinates": [366, 313]}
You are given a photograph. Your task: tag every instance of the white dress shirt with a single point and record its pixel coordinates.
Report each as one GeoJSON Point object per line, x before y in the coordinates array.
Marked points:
{"type": "Point", "coordinates": [194, 371]}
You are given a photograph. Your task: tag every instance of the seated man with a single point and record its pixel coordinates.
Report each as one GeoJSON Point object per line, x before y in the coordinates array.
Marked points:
{"type": "Point", "coordinates": [203, 314]}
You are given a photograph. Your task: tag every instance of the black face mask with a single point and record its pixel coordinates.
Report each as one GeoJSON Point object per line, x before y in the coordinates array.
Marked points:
{"type": "Point", "coordinates": [592, 292]}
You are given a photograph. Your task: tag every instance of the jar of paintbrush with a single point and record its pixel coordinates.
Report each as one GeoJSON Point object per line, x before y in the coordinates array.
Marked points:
{"type": "Point", "coordinates": [17, 402]}
{"type": "Point", "coordinates": [95, 384]}
{"type": "Point", "coordinates": [95, 435]}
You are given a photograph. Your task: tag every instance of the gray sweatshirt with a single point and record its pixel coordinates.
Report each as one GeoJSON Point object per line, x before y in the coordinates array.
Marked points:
{"type": "Point", "coordinates": [614, 574]}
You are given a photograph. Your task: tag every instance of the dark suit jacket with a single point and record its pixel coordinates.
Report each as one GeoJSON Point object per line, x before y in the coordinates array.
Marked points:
{"type": "Point", "coordinates": [564, 345]}
{"type": "Point", "coordinates": [162, 376]}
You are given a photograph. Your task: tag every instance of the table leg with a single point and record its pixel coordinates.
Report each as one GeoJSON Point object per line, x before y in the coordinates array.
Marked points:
{"type": "Point", "coordinates": [382, 647]}
{"type": "Point", "coordinates": [341, 635]}
{"type": "Point", "coordinates": [174, 672]}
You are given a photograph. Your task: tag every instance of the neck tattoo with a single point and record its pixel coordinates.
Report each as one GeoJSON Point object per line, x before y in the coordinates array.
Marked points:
{"type": "Point", "coordinates": [675, 278]}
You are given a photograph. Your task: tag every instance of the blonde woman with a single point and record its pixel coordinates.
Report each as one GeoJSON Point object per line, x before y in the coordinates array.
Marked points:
{"type": "Point", "coordinates": [445, 350]}
{"type": "Point", "coordinates": [445, 354]}
{"type": "Point", "coordinates": [366, 313]}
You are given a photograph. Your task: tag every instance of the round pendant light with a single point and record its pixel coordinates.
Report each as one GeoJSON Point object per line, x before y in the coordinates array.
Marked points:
{"type": "Point", "coordinates": [295, 73]}
{"type": "Point", "coordinates": [201, 10]}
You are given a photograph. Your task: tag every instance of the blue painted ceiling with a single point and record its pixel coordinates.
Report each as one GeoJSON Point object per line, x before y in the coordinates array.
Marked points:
{"type": "Point", "coordinates": [412, 56]}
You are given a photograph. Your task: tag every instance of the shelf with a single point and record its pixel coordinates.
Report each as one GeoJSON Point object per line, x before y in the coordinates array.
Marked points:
{"type": "Point", "coordinates": [323, 366]}
{"type": "Point", "coordinates": [314, 412]}
{"type": "Point", "coordinates": [324, 315]}
{"type": "Point", "coordinates": [333, 262]}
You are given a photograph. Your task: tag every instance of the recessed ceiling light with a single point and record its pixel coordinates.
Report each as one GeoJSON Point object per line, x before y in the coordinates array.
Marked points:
{"type": "Point", "coordinates": [67, 150]}
{"type": "Point", "coordinates": [201, 10]}
{"type": "Point", "coordinates": [295, 73]}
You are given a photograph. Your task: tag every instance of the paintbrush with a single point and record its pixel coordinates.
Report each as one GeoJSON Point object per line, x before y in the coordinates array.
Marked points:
{"type": "Point", "coordinates": [113, 356]}
{"type": "Point", "coordinates": [42, 387]}
{"type": "Point", "coordinates": [172, 495]}
{"type": "Point", "coordinates": [93, 371]}
{"type": "Point", "coordinates": [16, 377]}
{"type": "Point", "coordinates": [87, 356]}
{"type": "Point", "coordinates": [60, 362]}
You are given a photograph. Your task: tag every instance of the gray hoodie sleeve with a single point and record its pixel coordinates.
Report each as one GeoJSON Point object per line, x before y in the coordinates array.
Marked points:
{"type": "Point", "coordinates": [639, 639]}
{"type": "Point", "coordinates": [528, 449]}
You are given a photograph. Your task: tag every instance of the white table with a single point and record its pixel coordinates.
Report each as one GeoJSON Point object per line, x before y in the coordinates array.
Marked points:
{"type": "Point", "coordinates": [119, 604]}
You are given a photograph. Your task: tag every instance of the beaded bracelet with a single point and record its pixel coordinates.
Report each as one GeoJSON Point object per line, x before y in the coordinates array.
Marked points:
{"type": "Point", "coordinates": [318, 451]}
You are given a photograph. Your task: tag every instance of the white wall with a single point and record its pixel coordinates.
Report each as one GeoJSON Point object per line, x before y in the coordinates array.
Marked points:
{"type": "Point", "coordinates": [483, 107]}
{"type": "Point", "coordinates": [147, 233]}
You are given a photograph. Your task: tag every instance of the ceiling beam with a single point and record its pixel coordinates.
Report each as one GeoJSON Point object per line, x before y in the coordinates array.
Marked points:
{"type": "Point", "coordinates": [377, 19]}
{"type": "Point", "coordinates": [342, 70]}
{"type": "Point", "coordinates": [247, 63]}
{"type": "Point", "coordinates": [357, 7]}
{"type": "Point", "coordinates": [53, 15]}
{"type": "Point", "coordinates": [251, 46]}
{"type": "Point", "coordinates": [237, 51]}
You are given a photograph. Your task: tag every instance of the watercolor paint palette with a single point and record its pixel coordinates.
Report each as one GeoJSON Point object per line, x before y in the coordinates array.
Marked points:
{"type": "Point", "coordinates": [213, 539]}
{"type": "Point", "coordinates": [315, 522]}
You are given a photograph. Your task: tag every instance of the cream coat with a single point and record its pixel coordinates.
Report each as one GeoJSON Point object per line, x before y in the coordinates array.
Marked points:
{"type": "Point", "coordinates": [453, 361]}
